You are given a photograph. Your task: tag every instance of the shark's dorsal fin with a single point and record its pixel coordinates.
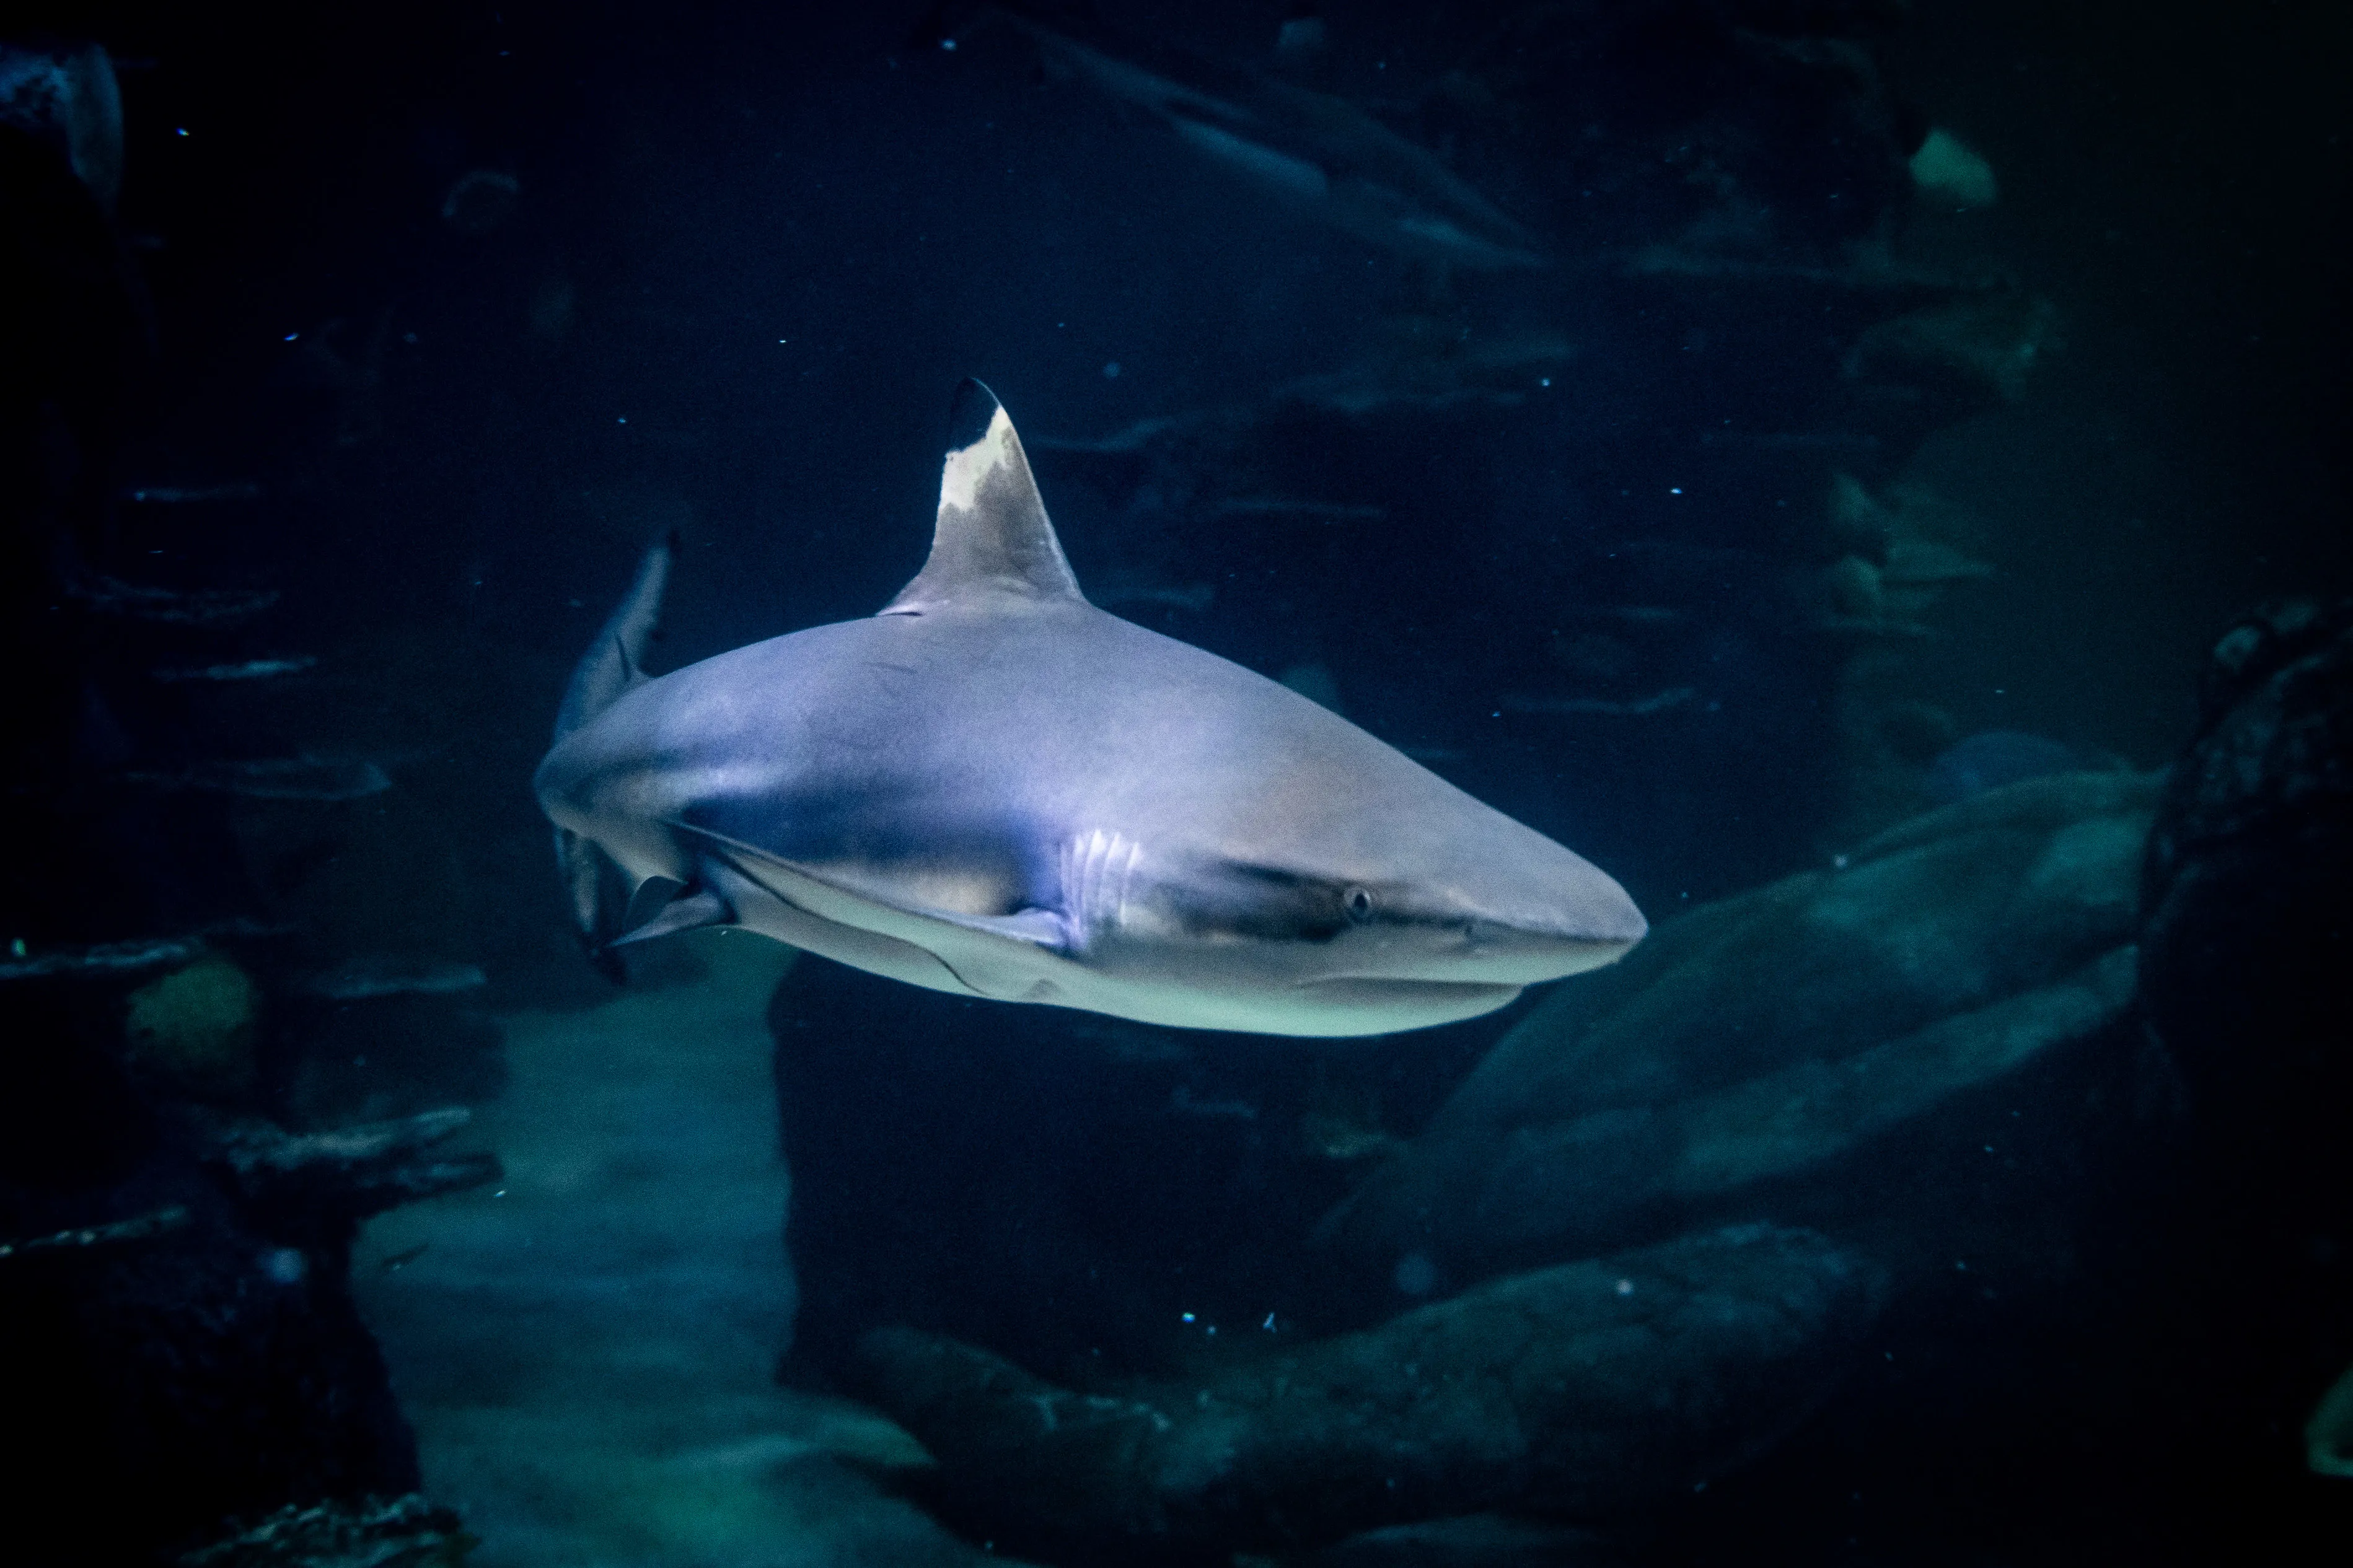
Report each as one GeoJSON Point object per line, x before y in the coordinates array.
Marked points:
{"type": "Point", "coordinates": [992, 542]}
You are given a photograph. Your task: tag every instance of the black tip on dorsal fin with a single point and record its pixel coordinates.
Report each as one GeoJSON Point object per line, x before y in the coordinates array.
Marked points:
{"type": "Point", "coordinates": [970, 413]}
{"type": "Point", "coordinates": [992, 541]}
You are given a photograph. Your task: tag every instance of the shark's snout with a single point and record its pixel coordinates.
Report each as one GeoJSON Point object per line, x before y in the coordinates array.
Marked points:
{"type": "Point", "coordinates": [1598, 925]}
{"type": "Point", "coordinates": [1596, 913]}
{"type": "Point", "coordinates": [1540, 939]}
{"type": "Point", "coordinates": [1567, 917]}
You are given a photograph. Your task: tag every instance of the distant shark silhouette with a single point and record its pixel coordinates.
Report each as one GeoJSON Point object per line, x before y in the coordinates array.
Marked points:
{"type": "Point", "coordinates": [1319, 155]}
{"type": "Point", "coordinates": [994, 789]}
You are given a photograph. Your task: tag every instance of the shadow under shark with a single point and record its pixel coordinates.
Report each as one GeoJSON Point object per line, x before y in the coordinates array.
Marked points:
{"type": "Point", "coordinates": [992, 788]}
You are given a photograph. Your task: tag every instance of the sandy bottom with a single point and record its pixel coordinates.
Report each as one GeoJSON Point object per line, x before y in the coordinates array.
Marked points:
{"type": "Point", "coordinates": [587, 1350]}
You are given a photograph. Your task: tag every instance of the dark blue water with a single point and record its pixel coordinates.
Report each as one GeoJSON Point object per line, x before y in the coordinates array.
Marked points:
{"type": "Point", "coordinates": [1802, 457]}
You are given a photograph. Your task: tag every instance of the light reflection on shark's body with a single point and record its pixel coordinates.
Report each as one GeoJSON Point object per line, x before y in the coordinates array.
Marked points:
{"type": "Point", "coordinates": [994, 788]}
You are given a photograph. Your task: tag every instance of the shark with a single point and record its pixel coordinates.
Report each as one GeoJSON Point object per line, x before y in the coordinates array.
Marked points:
{"type": "Point", "coordinates": [994, 788]}
{"type": "Point", "coordinates": [1313, 153]}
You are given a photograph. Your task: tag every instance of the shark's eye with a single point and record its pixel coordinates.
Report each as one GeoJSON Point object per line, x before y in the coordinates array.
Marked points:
{"type": "Point", "coordinates": [1359, 902]}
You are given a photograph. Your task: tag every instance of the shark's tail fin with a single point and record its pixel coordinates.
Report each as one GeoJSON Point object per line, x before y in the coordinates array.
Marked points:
{"type": "Point", "coordinates": [595, 887]}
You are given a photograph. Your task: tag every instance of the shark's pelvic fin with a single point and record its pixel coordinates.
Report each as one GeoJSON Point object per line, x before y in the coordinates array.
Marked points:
{"type": "Point", "coordinates": [592, 886]}
{"type": "Point", "coordinates": [616, 661]}
{"type": "Point", "coordinates": [992, 541]}
{"type": "Point", "coordinates": [688, 911]}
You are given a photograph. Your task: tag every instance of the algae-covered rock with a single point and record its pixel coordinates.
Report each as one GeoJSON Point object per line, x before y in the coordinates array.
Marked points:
{"type": "Point", "coordinates": [192, 1032]}
{"type": "Point", "coordinates": [367, 1532]}
{"type": "Point", "coordinates": [1768, 1039]}
{"type": "Point", "coordinates": [1587, 1389]}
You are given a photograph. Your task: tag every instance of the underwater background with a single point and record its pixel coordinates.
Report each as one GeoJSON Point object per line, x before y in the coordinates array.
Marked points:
{"type": "Point", "coordinates": [1872, 476]}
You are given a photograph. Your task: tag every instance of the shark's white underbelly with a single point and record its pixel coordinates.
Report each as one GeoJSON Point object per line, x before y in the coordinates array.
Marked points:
{"type": "Point", "coordinates": [779, 902]}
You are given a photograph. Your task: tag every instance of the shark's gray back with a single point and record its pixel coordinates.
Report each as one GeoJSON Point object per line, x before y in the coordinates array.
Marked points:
{"type": "Point", "coordinates": [1065, 716]}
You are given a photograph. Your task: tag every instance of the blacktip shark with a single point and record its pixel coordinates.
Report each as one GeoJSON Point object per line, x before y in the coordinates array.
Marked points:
{"type": "Point", "coordinates": [994, 788]}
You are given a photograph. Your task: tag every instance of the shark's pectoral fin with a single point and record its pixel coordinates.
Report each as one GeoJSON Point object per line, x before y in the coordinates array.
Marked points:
{"type": "Point", "coordinates": [1007, 957]}
{"type": "Point", "coordinates": [1040, 927]}
{"type": "Point", "coordinates": [998, 956]}
{"type": "Point", "coordinates": [688, 911]}
{"type": "Point", "coordinates": [885, 908]}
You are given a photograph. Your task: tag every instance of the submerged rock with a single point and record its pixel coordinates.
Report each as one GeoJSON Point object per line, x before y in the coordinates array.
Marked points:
{"type": "Point", "coordinates": [404, 1532]}
{"type": "Point", "coordinates": [1748, 1053]}
{"type": "Point", "coordinates": [2248, 919]}
{"type": "Point", "coordinates": [192, 1032]}
{"type": "Point", "coordinates": [2328, 1435]}
{"type": "Point", "coordinates": [82, 1238]}
{"type": "Point", "coordinates": [1587, 1389]}
{"type": "Point", "coordinates": [1992, 758]}
{"type": "Point", "coordinates": [318, 1184]}
{"type": "Point", "coordinates": [2247, 934]}
{"type": "Point", "coordinates": [1989, 342]}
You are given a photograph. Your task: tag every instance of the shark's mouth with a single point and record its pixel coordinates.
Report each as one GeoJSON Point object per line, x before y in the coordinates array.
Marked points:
{"type": "Point", "coordinates": [1491, 965]}
{"type": "Point", "coordinates": [1350, 990]}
